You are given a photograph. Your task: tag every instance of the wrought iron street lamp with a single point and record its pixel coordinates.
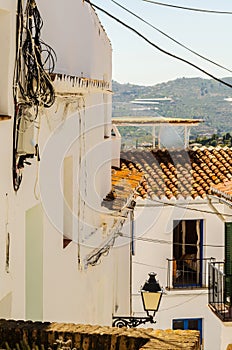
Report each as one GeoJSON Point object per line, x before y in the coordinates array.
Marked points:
{"type": "Point", "coordinates": [151, 294]}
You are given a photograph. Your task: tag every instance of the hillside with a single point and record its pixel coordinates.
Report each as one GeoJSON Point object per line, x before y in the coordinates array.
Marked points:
{"type": "Point", "coordinates": [190, 98]}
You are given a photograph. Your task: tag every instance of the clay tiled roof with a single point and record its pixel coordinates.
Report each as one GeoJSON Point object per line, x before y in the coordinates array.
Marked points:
{"type": "Point", "coordinates": [125, 182]}
{"type": "Point", "coordinates": [223, 190]}
{"type": "Point", "coordinates": [180, 173]}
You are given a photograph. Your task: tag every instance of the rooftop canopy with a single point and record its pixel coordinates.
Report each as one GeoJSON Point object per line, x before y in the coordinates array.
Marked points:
{"type": "Point", "coordinates": [133, 121]}
{"type": "Point", "coordinates": [168, 131]}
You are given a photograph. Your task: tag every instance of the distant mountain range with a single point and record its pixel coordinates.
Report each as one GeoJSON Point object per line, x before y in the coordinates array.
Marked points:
{"type": "Point", "coordinates": [181, 98]}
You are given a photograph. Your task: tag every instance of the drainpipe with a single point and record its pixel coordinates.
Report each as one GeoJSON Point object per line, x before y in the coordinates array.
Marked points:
{"type": "Point", "coordinates": [131, 215]}
{"type": "Point", "coordinates": [131, 253]}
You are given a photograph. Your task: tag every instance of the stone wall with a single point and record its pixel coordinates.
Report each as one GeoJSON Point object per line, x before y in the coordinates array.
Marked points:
{"type": "Point", "coordinates": [88, 337]}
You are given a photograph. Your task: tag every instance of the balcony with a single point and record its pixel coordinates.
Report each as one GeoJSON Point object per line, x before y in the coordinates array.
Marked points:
{"type": "Point", "coordinates": [220, 291]}
{"type": "Point", "coordinates": [187, 273]}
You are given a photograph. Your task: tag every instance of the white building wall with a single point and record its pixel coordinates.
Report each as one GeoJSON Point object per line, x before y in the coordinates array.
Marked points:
{"type": "Point", "coordinates": [73, 30]}
{"type": "Point", "coordinates": [7, 42]}
{"type": "Point", "coordinates": [226, 334]}
{"type": "Point", "coordinates": [154, 233]}
{"type": "Point", "coordinates": [5, 222]}
{"type": "Point", "coordinates": [71, 292]}
{"type": "Point", "coordinates": [116, 147]}
{"type": "Point", "coordinates": [83, 296]}
{"type": "Point", "coordinates": [89, 294]}
{"type": "Point", "coordinates": [156, 222]}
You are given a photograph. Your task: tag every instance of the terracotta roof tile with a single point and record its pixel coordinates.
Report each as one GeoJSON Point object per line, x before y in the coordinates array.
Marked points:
{"type": "Point", "coordinates": [125, 182]}
{"type": "Point", "coordinates": [186, 173]}
{"type": "Point", "coordinates": [223, 190]}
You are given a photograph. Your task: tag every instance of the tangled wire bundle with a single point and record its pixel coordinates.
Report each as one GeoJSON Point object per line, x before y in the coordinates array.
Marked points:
{"type": "Point", "coordinates": [34, 61]}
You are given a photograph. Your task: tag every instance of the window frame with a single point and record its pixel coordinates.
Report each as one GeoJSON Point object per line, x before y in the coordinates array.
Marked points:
{"type": "Point", "coordinates": [186, 321]}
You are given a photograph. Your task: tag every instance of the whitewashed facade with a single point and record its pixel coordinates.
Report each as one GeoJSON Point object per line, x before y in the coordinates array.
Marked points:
{"type": "Point", "coordinates": [182, 231]}
{"type": "Point", "coordinates": [156, 246]}
{"type": "Point", "coordinates": [59, 198]}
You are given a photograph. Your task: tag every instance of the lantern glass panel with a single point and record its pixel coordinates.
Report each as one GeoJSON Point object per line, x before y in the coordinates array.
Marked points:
{"type": "Point", "coordinates": [151, 300]}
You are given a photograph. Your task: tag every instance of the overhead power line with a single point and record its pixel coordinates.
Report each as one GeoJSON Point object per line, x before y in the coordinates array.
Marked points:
{"type": "Point", "coordinates": [193, 209]}
{"type": "Point", "coordinates": [162, 241]}
{"type": "Point", "coordinates": [149, 265]}
{"type": "Point", "coordinates": [189, 8]}
{"type": "Point", "coordinates": [182, 302]}
{"type": "Point", "coordinates": [171, 38]}
{"type": "Point", "coordinates": [156, 46]}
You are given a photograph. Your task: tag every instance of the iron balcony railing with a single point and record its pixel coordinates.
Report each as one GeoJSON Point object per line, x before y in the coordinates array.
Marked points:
{"type": "Point", "coordinates": [220, 291]}
{"type": "Point", "coordinates": [187, 273]}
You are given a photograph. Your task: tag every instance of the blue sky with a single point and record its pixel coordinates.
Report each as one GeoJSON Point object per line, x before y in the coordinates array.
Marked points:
{"type": "Point", "coordinates": [137, 62]}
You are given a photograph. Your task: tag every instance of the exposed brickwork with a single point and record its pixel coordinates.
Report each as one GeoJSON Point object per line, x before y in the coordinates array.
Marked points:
{"type": "Point", "coordinates": [87, 337]}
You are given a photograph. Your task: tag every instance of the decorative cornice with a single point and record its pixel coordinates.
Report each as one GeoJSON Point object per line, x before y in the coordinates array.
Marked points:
{"type": "Point", "coordinates": [73, 85]}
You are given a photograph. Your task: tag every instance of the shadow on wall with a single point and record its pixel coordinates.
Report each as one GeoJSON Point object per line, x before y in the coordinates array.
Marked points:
{"type": "Point", "coordinates": [5, 306]}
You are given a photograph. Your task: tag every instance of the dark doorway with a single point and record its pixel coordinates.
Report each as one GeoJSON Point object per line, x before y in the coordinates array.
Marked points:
{"type": "Point", "coordinates": [187, 253]}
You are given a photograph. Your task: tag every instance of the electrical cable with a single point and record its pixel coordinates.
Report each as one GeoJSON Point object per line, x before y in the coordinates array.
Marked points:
{"type": "Point", "coordinates": [143, 264]}
{"type": "Point", "coordinates": [186, 301]}
{"type": "Point", "coordinates": [157, 47]}
{"type": "Point", "coordinates": [161, 241]}
{"type": "Point", "coordinates": [193, 209]}
{"type": "Point", "coordinates": [16, 174]}
{"type": "Point", "coordinates": [37, 161]}
{"type": "Point", "coordinates": [169, 37]}
{"type": "Point", "coordinates": [32, 86]}
{"type": "Point", "coordinates": [93, 258]}
{"type": "Point", "coordinates": [104, 251]}
{"type": "Point", "coordinates": [79, 199]}
{"type": "Point", "coordinates": [185, 208]}
{"type": "Point", "coordinates": [189, 8]}
{"type": "Point", "coordinates": [35, 86]}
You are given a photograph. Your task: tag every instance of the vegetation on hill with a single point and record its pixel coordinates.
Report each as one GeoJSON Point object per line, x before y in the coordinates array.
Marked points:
{"type": "Point", "coordinates": [191, 98]}
{"type": "Point", "coordinates": [215, 140]}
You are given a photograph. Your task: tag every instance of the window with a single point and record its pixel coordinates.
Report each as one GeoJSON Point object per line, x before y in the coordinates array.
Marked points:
{"type": "Point", "coordinates": [191, 323]}
{"type": "Point", "coordinates": [187, 253]}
